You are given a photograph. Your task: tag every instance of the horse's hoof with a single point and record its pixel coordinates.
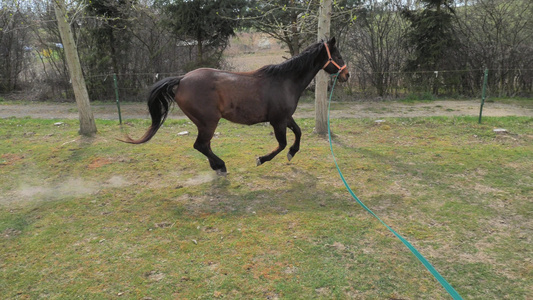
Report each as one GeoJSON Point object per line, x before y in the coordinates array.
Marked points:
{"type": "Point", "coordinates": [221, 172]}
{"type": "Point", "coordinates": [258, 161]}
{"type": "Point", "coordinates": [289, 156]}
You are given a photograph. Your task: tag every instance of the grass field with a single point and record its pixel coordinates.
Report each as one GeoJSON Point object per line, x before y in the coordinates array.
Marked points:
{"type": "Point", "coordinates": [98, 219]}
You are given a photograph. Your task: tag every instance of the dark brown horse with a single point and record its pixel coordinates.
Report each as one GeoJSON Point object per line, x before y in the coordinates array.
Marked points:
{"type": "Point", "coordinates": [269, 94]}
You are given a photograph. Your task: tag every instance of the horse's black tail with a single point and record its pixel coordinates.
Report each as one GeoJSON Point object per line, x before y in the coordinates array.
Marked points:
{"type": "Point", "coordinates": [159, 101]}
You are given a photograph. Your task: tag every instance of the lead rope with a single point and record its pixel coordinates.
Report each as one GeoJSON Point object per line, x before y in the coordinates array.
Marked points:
{"type": "Point", "coordinates": [455, 295]}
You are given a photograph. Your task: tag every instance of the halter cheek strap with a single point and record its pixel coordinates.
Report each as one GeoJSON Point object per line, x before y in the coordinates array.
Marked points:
{"type": "Point", "coordinates": [331, 61]}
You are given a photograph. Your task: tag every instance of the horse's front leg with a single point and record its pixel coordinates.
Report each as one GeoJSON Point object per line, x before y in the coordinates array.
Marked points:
{"type": "Point", "coordinates": [297, 135]}
{"type": "Point", "coordinates": [280, 131]}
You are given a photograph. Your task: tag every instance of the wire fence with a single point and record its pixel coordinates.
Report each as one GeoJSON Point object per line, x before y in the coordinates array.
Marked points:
{"type": "Point", "coordinates": [442, 83]}
{"type": "Point", "coordinates": [363, 85]}
{"type": "Point", "coordinates": [129, 87]}
{"type": "Point", "coordinates": [366, 85]}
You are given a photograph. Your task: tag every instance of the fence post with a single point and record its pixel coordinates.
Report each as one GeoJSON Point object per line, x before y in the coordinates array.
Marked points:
{"type": "Point", "coordinates": [483, 93]}
{"type": "Point", "coordinates": [116, 94]}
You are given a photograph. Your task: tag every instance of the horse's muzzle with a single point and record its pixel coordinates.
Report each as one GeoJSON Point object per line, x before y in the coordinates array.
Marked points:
{"type": "Point", "coordinates": [344, 75]}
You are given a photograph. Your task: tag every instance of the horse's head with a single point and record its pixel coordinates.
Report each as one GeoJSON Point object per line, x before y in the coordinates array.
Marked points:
{"type": "Point", "coordinates": [335, 64]}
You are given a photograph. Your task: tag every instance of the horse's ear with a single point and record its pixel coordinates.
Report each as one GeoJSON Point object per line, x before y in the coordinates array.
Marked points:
{"type": "Point", "coordinates": [331, 42]}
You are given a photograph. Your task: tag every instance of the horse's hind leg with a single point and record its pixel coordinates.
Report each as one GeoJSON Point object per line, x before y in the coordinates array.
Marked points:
{"type": "Point", "coordinates": [203, 144]}
{"type": "Point", "coordinates": [297, 134]}
{"type": "Point", "coordinates": [280, 131]}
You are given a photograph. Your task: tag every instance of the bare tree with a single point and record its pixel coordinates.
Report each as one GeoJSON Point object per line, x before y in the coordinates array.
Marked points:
{"type": "Point", "coordinates": [377, 42]}
{"type": "Point", "coordinates": [293, 22]}
{"type": "Point", "coordinates": [498, 35]}
{"type": "Point", "coordinates": [14, 43]}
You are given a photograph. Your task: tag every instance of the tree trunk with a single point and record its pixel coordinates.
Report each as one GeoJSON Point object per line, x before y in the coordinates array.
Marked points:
{"type": "Point", "coordinates": [200, 55]}
{"type": "Point", "coordinates": [112, 43]}
{"type": "Point", "coordinates": [200, 49]}
{"type": "Point", "coordinates": [87, 124]}
{"type": "Point", "coordinates": [5, 51]}
{"type": "Point", "coordinates": [321, 88]}
{"type": "Point", "coordinates": [295, 36]}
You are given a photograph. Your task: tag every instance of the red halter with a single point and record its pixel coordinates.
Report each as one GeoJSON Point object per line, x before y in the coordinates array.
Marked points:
{"type": "Point", "coordinates": [330, 60]}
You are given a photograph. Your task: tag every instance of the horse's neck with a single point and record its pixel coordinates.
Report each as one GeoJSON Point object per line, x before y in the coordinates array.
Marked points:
{"type": "Point", "coordinates": [308, 77]}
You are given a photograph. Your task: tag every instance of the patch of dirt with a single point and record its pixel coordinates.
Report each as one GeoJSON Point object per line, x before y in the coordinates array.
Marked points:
{"type": "Point", "coordinates": [99, 162]}
{"type": "Point", "coordinates": [10, 232]}
{"type": "Point", "coordinates": [74, 187]}
{"type": "Point", "coordinates": [117, 181]}
{"type": "Point", "coordinates": [358, 109]}
{"type": "Point", "coordinates": [435, 108]}
{"type": "Point", "coordinates": [338, 246]}
{"type": "Point", "coordinates": [154, 276]}
{"type": "Point", "coordinates": [9, 159]}
{"type": "Point", "coordinates": [201, 178]}
{"type": "Point", "coordinates": [323, 292]}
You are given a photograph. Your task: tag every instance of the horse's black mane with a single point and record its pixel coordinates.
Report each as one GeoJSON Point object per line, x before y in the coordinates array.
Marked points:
{"type": "Point", "coordinates": [298, 64]}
